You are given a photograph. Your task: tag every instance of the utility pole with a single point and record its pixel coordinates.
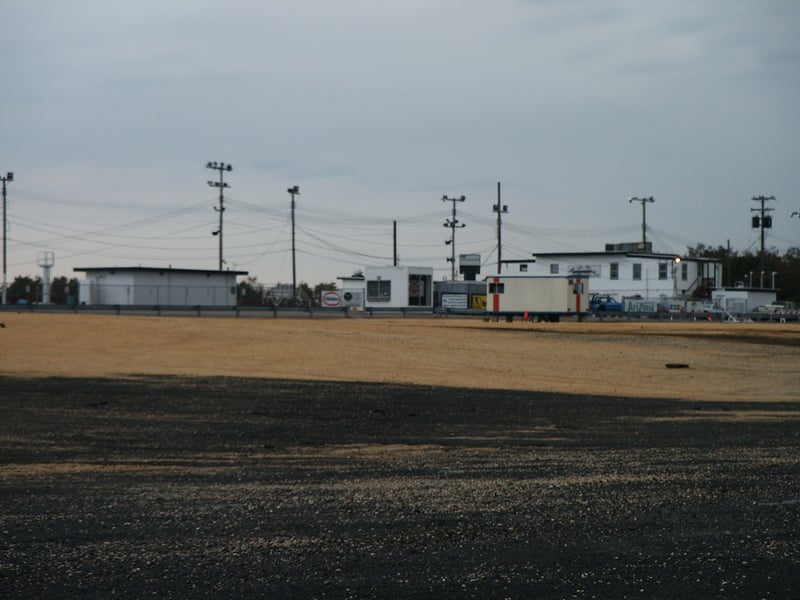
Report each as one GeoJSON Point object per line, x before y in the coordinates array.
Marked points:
{"type": "Point", "coordinates": [762, 221]}
{"type": "Point", "coordinates": [644, 202]}
{"type": "Point", "coordinates": [293, 191]}
{"type": "Point", "coordinates": [500, 210]}
{"type": "Point", "coordinates": [221, 167]}
{"type": "Point", "coordinates": [394, 242]}
{"type": "Point", "coordinates": [452, 241]}
{"type": "Point", "coordinates": [7, 179]}
{"type": "Point", "coordinates": [728, 263]}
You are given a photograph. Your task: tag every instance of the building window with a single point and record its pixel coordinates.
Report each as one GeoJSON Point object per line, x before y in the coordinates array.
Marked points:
{"type": "Point", "coordinates": [663, 271]}
{"type": "Point", "coordinates": [684, 271]}
{"type": "Point", "coordinates": [497, 288]}
{"type": "Point", "coordinates": [637, 271]}
{"type": "Point", "coordinates": [613, 271]}
{"type": "Point", "coordinates": [379, 290]}
{"type": "Point", "coordinates": [554, 269]}
{"type": "Point", "coordinates": [523, 268]}
{"type": "Point", "coordinates": [418, 286]}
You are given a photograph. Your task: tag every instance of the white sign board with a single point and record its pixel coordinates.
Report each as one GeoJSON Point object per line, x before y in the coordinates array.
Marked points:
{"type": "Point", "coordinates": [454, 301]}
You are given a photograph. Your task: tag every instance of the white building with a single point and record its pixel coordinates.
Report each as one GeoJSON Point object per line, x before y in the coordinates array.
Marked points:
{"type": "Point", "coordinates": [740, 299]}
{"type": "Point", "coordinates": [352, 292]}
{"type": "Point", "coordinates": [389, 287]}
{"type": "Point", "coordinates": [629, 273]}
{"type": "Point", "coordinates": [149, 286]}
{"type": "Point", "coordinates": [398, 287]}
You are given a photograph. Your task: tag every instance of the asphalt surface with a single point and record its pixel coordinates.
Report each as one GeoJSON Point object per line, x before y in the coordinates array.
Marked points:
{"type": "Point", "coordinates": [243, 488]}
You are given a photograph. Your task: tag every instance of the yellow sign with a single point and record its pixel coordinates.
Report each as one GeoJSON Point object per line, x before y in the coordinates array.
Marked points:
{"type": "Point", "coordinates": [479, 302]}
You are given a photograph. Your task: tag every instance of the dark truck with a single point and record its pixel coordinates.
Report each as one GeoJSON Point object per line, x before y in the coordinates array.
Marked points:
{"type": "Point", "coordinates": [604, 303]}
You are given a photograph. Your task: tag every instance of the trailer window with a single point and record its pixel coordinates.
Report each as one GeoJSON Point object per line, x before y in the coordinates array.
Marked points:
{"type": "Point", "coordinates": [577, 288]}
{"type": "Point", "coordinates": [497, 288]}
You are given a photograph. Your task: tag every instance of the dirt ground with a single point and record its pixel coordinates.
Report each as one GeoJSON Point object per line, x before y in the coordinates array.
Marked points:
{"type": "Point", "coordinates": [409, 458]}
{"type": "Point", "coordinates": [726, 361]}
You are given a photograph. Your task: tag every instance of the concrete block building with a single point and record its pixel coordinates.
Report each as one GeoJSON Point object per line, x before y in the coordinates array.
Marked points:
{"type": "Point", "coordinates": [158, 286]}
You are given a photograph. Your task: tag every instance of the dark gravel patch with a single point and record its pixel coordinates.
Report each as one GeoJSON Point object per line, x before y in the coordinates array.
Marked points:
{"type": "Point", "coordinates": [243, 488]}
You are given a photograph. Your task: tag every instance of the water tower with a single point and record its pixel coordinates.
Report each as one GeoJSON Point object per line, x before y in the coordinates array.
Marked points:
{"type": "Point", "coordinates": [46, 261]}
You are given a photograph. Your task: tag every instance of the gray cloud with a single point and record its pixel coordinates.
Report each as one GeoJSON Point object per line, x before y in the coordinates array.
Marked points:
{"type": "Point", "coordinates": [377, 109]}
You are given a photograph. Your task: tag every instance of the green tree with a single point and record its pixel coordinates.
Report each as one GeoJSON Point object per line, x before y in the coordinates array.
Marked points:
{"type": "Point", "coordinates": [24, 289]}
{"type": "Point", "coordinates": [745, 267]}
{"type": "Point", "coordinates": [59, 290]}
{"type": "Point", "coordinates": [251, 292]}
{"type": "Point", "coordinates": [63, 290]}
{"type": "Point", "coordinates": [322, 287]}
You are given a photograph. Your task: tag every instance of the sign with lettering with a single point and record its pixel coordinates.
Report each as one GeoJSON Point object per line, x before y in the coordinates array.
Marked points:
{"type": "Point", "coordinates": [454, 301]}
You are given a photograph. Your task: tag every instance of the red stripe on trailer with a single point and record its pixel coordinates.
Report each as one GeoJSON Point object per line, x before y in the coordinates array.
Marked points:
{"type": "Point", "coordinates": [578, 299]}
{"type": "Point", "coordinates": [496, 297]}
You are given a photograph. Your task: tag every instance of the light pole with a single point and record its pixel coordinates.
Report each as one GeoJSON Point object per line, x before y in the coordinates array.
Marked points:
{"type": "Point", "coordinates": [452, 241]}
{"type": "Point", "coordinates": [293, 191]}
{"type": "Point", "coordinates": [221, 167]}
{"type": "Point", "coordinates": [675, 264]}
{"type": "Point", "coordinates": [7, 179]}
{"type": "Point", "coordinates": [644, 202]}
{"type": "Point", "coordinates": [500, 210]}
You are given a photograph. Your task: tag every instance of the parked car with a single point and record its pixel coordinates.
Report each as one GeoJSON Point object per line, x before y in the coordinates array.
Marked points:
{"type": "Point", "coordinates": [604, 303]}
{"type": "Point", "coordinates": [705, 307]}
{"type": "Point", "coordinates": [776, 307]}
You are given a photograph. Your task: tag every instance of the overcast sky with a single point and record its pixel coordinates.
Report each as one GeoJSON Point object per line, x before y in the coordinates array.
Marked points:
{"type": "Point", "coordinates": [110, 111]}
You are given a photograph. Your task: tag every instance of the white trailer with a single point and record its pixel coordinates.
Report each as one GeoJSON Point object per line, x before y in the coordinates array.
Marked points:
{"type": "Point", "coordinates": [536, 297]}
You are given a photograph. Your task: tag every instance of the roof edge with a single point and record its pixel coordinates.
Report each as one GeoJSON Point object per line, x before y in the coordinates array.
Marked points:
{"type": "Point", "coordinates": [156, 270]}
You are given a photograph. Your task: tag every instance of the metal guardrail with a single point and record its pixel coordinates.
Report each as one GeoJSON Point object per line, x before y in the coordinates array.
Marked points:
{"type": "Point", "coordinates": [221, 311]}
{"type": "Point", "coordinates": [746, 317]}
{"type": "Point", "coordinates": [371, 312]}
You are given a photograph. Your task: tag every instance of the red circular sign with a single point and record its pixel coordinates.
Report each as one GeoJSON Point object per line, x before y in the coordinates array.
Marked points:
{"type": "Point", "coordinates": [331, 298]}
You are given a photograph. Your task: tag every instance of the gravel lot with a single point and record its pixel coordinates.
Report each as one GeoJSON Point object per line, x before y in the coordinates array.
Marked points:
{"type": "Point", "coordinates": [172, 487]}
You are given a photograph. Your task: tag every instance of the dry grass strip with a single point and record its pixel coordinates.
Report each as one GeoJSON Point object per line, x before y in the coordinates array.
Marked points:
{"type": "Point", "coordinates": [727, 361]}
